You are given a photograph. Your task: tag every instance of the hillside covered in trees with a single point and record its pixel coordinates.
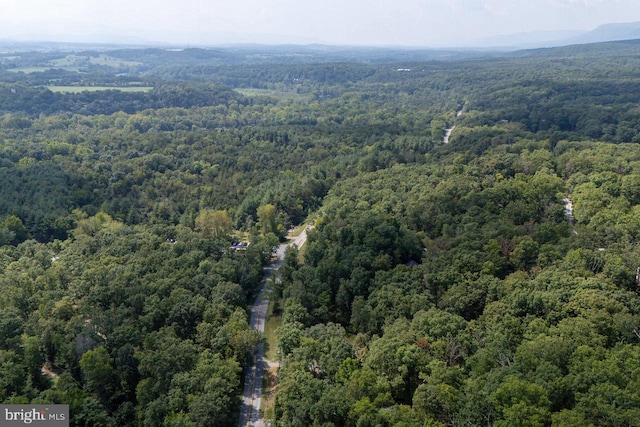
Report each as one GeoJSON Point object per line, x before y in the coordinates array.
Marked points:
{"type": "Point", "coordinates": [488, 281]}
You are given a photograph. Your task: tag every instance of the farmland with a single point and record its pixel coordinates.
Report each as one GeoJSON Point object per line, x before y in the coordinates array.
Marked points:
{"type": "Point", "coordinates": [80, 89]}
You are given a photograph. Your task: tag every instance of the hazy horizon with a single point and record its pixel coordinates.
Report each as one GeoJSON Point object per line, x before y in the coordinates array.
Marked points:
{"type": "Point", "coordinates": [425, 23]}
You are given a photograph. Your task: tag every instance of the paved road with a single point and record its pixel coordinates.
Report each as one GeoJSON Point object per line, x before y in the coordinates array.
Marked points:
{"type": "Point", "coordinates": [447, 132]}
{"type": "Point", "coordinates": [252, 394]}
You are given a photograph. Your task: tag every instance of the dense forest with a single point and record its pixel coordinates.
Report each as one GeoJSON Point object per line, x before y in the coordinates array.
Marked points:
{"type": "Point", "coordinates": [488, 281]}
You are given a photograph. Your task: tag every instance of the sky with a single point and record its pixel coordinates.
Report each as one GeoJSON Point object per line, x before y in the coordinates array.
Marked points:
{"type": "Point", "coordinates": [427, 23]}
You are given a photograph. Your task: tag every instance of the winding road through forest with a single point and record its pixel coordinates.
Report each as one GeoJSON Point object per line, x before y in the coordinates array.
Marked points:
{"type": "Point", "coordinates": [254, 376]}
{"type": "Point", "coordinates": [447, 132]}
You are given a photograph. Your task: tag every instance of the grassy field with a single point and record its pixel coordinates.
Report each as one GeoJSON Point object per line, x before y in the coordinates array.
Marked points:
{"type": "Point", "coordinates": [74, 63]}
{"type": "Point", "coordinates": [272, 323]}
{"type": "Point", "coordinates": [76, 60]}
{"type": "Point", "coordinates": [29, 70]}
{"type": "Point", "coordinates": [110, 61]}
{"type": "Point", "coordinates": [284, 95]}
{"type": "Point", "coordinates": [271, 373]}
{"type": "Point", "coordinates": [78, 89]}
{"type": "Point", "coordinates": [296, 231]}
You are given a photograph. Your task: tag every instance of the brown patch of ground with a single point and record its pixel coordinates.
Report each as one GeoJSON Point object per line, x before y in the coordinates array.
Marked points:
{"type": "Point", "coordinates": [271, 381]}
{"type": "Point", "coordinates": [48, 372]}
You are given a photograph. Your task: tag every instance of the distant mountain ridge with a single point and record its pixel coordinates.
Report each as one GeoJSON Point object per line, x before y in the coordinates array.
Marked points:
{"type": "Point", "coordinates": [497, 45]}
{"type": "Point", "coordinates": [540, 39]}
{"type": "Point", "coordinates": [608, 33]}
